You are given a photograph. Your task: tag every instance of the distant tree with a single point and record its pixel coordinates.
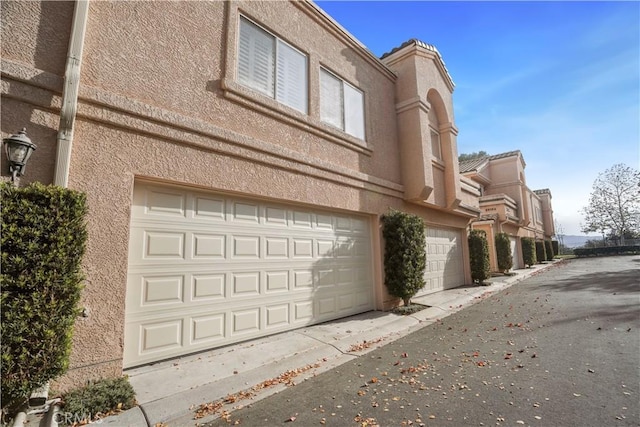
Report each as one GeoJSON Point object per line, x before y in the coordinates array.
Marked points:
{"type": "Point", "coordinates": [614, 203]}
{"type": "Point", "coordinates": [559, 232]}
{"type": "Point", "coordinates": [464, 157]}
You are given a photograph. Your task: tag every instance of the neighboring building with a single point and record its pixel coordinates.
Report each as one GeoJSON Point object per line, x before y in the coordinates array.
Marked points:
{"type": "Point", "coordinates": [237, 158]}
{"type": "Point", "coordinates": [507, 204]}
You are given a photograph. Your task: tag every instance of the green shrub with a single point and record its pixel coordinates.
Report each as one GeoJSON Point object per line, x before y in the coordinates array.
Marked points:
{"type": "Point", "coordinates": [503, 252]}
{"type": "Point", "coordinates": [97, 399]}
{"type": "Point", "coordinates": [528, 251]}
{"type": "Point", "coordinates": [404, 254]}
{"type": "Point", "coordinates": [479, 256]}
{"type": "Point", "coordinates": [608, 250]}
{"type": "Point", "coordinates": [541, 253]}
{"type": "Point", "coordinates": [43, 241]}
{"type": "Point", "coordinates": [549, 250]}
{"type": "Point", "coordinates": [555, 246]}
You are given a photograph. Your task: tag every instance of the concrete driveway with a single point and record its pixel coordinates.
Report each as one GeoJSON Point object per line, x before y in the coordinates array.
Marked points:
{"type": "Point", "coordinates": [561, 348]}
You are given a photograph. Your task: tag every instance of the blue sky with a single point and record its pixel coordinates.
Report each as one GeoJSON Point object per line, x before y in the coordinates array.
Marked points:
{"type": "Point", "coordinates": [559, 81]}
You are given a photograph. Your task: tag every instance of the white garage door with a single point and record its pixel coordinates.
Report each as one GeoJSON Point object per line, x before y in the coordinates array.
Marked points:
{"type": "Point", "coordinates": [445, 268]}
{"type": "Point", "coordinates": [514, 252]}
{"type": "Point", "coordinates": [208, 270]}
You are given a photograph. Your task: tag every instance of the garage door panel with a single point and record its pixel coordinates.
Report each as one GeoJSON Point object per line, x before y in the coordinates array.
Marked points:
{"type": "Point", "coordinates": [165, 203]}
{"type": "Point", "coordinates": [245, 321]}
{"type": "Point", "coordinates": [162, 290]}
{"type": "Point", "coordinates": [159, 244]}
{"type": "Point", "coordinates": [208, 287]}
{"type": "Point", "coordinates": [207, 329]}
{"type": "Point", "coordinates": [208, 209]}
{"type": "Point", "coordinates": [209, 246]}
{"type": "Point", "coordinates": [245, 213]}
{"type": "Point", "coordinates": [160, 336]}
{"type": "Point", "coordinates": [277, 316]}
{"type": "Point", "coordinates": [277, 281]}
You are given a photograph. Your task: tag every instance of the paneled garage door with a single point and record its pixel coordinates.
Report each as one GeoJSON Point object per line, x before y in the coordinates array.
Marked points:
{"type": "Point", "coordinates": [445, 268]}
{"type": "Point", "coordinates": [207, 270]}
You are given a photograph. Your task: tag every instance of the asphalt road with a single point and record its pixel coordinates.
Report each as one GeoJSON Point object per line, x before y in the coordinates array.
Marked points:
{"type": "Point", "coordinates": [559, 349]}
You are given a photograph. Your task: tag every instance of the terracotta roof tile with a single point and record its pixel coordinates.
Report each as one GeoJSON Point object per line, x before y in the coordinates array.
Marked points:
{"type": "Point", "coordinates": [420, 43]}
{"type": "Point", "coordinates": [473, 164]}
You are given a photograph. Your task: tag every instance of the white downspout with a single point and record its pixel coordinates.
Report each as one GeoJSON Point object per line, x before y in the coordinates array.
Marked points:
{"type": "Point", "coordinates": [70, 93]}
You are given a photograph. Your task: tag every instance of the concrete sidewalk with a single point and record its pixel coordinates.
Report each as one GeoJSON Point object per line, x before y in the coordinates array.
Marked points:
{"type": "Point", "coordinates": [169, 392]}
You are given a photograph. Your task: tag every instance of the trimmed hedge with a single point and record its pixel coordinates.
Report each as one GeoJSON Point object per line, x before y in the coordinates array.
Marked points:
{"type": "Point", "coordinates": [405, 255]}
{"type": "Point", "coordinates": [541, 253]}
{"type": "Point", "coordinates": [607, 250]}
{"type": "Point", "coordinates": [549, 250]}
{"type": "Point", "coordinates": [479, 256]}
{"type": "Point", "coordinates": [556, 247]}
{"type": "Point", "coordinates": [503, 252]}
{"type": "Point", "coordinates": [43, 242]}
{"type": "Point", "coordinates": [528, 251]}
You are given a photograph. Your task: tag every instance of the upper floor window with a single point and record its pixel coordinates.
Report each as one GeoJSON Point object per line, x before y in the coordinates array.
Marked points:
{"type": "Point", "coordinates": [538, 215]}
{"type": "Point", "coordinates": [271, 66]}
{"type": "Point", "coordinates": [435, 145]}
{"type": "Point", "coordinates": [341, 105]}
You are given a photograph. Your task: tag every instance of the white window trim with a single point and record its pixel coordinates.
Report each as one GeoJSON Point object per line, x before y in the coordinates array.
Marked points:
{"type": "Point", "coordinates": [275, 91]}
{"type": "Point", "coordinates": [345, 124]}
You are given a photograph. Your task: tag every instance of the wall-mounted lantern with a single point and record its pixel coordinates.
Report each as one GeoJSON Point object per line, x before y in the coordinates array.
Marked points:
{"type": "Point", "coordinates": [18, 148]}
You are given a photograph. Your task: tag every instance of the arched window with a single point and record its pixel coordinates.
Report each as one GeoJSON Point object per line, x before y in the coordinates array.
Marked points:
{"type": "Point", "coordinates": [434, 127]}
{"type": "Point", "coordinates": [437, 117]}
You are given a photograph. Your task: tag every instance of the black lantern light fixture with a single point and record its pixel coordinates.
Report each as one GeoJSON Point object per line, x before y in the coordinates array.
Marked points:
{"type": "Point", "coordinates": [18, 148]}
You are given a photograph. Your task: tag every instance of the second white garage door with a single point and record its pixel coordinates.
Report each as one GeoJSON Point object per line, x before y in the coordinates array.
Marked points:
{"type": "Point", "coordinates": [514, 252]}
{"type": "Point", "coordinates": [445, 268]}
{"type": "Point", "coordinates": [209, 270]}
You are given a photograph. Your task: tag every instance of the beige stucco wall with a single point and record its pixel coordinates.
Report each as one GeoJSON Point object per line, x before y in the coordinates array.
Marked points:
{"type": "Point", "coordinates": [158, 101]}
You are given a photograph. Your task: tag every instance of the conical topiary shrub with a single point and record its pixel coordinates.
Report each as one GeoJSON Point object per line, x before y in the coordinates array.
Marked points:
{"type": "Point", "coordinates": [503, 252]}
{"type": "Point", "coordinates": [405, 256]}
{"type": "Point", "coordinates": [479, 256]}
{"type": "Point", "coordinates": [541, 253]}
{"type": "Point", "coordinates": [528, 251]}
{"type": "Point", "coordinates": [549, 250]}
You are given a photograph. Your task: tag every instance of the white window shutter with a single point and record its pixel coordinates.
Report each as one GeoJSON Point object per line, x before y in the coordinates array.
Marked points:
{"type": "Point", "coordinates": [354, 112]}
{"type": "Point", "coordinates": [331, 100]}
{"type": "Point", "coordinates": [291, 72]}
{"type": "Point", "coordinates": [255, 58]}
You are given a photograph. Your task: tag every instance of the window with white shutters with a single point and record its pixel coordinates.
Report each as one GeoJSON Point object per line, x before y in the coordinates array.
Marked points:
{"type": "Point", "coordinates": [271, 66]}
{"type": "Point", "coordinates": [341, 105]}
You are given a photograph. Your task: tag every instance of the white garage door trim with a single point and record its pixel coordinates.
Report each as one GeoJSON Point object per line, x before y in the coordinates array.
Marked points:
{"type": "Point", "coordinates": [445, 262]}
{"type": "Point", "coordinates": [207, 270]}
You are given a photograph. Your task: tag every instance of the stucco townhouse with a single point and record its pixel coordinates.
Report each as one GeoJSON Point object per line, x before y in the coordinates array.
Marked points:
{"type": "Point", "coordinates": [508, 205]}
{"type": "Point", "coordinates": [237, 158]}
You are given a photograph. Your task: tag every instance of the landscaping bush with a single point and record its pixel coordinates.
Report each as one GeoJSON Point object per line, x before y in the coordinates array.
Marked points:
{"type": "Point", "coordinates": [555, 246]}
{"type": "Point", "coordinates": [541, 253]}
{"type": "Point", "coordinates": [405, 257]}
{"type": "Point", "coordinates": [97, 399]}
{"type": "Point", "coordinates": [608, 250]}
{"type": "Point", "coordinates": [549, 250]}
{"type": "Point", "coordinates": [43, 241]}
{"type": "Point", "coordinates": [528, 251]}
{"type": "Point", "coordinates": [503, 252]}
{"type": "Point", "coordinates": [479, 256]}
